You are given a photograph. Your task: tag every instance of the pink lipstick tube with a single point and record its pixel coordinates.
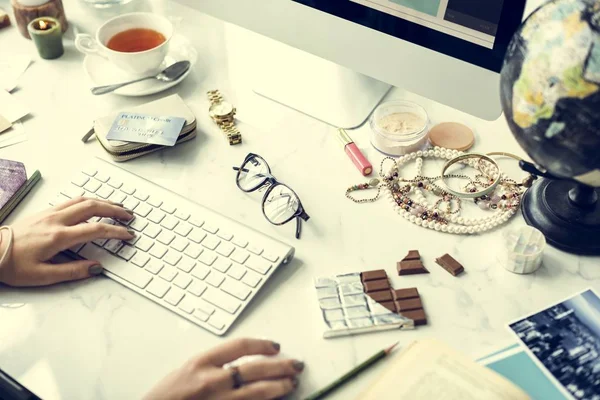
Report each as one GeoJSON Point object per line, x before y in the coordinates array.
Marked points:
{"type": "Point", "coordinates": [354, 153]}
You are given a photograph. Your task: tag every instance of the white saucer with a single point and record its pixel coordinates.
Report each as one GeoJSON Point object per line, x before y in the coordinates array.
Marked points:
{"type": "Point", "coordinates": [101, 72]}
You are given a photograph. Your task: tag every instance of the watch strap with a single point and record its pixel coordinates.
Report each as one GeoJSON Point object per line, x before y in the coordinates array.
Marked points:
{"type": "Point", "coordinates": [234, 135]}
{"type": "Point", "coordinates": [214, 96]}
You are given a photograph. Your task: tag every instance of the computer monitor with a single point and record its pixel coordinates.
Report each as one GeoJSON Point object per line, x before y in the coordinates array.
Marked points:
{"type": "Point", "coordinates": [450, 51]}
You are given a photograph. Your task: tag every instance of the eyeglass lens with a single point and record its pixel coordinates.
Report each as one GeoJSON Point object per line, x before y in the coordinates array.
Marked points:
{"type": "Point", "coordinates": [253, 173]}
{"type": "Point", "coordinates": [281, 204]}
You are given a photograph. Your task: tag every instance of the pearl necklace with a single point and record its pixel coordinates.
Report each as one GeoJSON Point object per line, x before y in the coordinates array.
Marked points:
{"type": "Point", "coordinates": [452, 222]}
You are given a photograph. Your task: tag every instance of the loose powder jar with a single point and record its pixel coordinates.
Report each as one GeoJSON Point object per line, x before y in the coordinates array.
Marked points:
{"type": "Point", "coordinates": [399, 127]}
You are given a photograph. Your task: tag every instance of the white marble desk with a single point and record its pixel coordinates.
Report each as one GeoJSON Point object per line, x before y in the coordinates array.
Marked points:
{"type": "Point", "coordinates": [98, 340]}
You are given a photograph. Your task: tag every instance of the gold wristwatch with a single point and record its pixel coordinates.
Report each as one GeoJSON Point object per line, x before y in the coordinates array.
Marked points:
{"type": "Point", "coordinates": [223, 113]}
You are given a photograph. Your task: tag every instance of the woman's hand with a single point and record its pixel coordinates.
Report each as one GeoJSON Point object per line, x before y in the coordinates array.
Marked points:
{"type": "Point", "coordinates": [38, 239]}
{"type": "Point", "coordinates": [204, 378]}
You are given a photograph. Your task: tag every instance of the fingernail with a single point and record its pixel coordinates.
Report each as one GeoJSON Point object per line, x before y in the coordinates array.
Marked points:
{"type": "Point", "coordinates": [298, 366]}
{"type": "Point", "coordinates": [95, 269]}
{"type": "Point", "coordinates": [118, 204]}
{"type": "Point", "coordinates": [128, 211]}
{"type": "Point", "coordinates": [276, 346]}
{"type": "Point", "coordinates": [131, 232]}
{"type": "Point", "coordinates": [295, 382]}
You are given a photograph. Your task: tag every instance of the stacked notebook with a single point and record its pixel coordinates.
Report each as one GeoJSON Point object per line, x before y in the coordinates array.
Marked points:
{"type": "Point", "coordinates": [14, 186]}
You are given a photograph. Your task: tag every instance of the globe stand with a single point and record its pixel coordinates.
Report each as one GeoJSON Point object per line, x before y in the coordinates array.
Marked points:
{"type": "Point", "coordinates": [566, 212]}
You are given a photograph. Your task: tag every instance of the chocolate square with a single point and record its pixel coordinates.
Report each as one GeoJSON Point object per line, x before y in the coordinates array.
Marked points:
{"type": "Point", "coordinates": [390, 305]}
{"type": "Point", "coordinates": [403, 294]}
{"type": "Point", "coordinates": [418, 316]}
{"type": "Point", "coordinates": [450, 264]}
{"type": "Point", "coordinates": [411, 268]}
{"type": "Point", "coordinates": [409, 305]}
{"type": "Point", "coordinates": [373, 275]}
{"type": "Point", "coordinates": [381, 296]}
{"type": "Point", "coordinates": [376, 286]}
{"type": "Point", "coordinates": [412, 255]}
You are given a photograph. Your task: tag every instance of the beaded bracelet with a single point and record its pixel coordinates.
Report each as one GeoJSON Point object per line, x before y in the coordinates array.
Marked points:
{"type": "Point", "coordinates": [8, 250]}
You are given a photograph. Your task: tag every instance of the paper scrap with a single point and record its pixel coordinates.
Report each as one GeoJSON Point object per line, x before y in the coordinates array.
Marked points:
{"type": "Point", "coordinates": [11, 70]}
{"type": "Point", "coordinates": [11, 108]}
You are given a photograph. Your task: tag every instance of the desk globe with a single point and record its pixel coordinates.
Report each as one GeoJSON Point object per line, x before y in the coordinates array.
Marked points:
{"type": "Point", "coordinates": [550, 89]}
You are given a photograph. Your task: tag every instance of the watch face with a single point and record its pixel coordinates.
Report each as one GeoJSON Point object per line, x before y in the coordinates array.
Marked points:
{"type": "Point", "coordinates": [222, 109]}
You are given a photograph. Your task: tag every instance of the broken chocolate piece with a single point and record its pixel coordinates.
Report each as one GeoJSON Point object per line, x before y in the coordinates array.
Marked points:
{"type": "Point", "coordinates": [403, 294]}
{"type": "Point", "coordinates": [409, 305]}
{"type": "Point", "coordinates": [389, 305]}
{"type": "Point", "coordinates": [381, 296]}
{"type": "Point", "coordinates": [412, 255]}
{"type": "Point", "coordinates": [450, 264]}
{"type": "Point", "coordinates": [373, 275]}
{"type": "Point", "coordinates": [418, 316]}
{"type": "Point", "coordinates": [376, 286]}
{"type": "Point", "coordinates": [411, 268]}
{"type": "Point", "coordinates": [4, 19]}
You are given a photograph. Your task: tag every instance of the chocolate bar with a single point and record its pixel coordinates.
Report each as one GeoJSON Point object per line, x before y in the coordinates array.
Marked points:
{"type": "Point", "coordinates": [409, 305]}
{"type": "Point", "coordinates": [403, 294]}
{"type": "Point", "coordinates": [376, 286]}
{"type": "Point", "coordinates": [373, 275]}
{"type": "Point", "coordinates": [450, 264]}
{"type": "Point", "coordinates": [418, 316]}
{"type": "Point", "coordinates": [4, 19]}
{"type": "Point", "coordinates": [412, 267]}
{"type": "Point", "coordinates": [412, 255]}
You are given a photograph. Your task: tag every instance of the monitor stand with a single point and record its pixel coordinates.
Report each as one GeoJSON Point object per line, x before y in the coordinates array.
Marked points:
{"type": "Point", "coordinates": [309, 84]}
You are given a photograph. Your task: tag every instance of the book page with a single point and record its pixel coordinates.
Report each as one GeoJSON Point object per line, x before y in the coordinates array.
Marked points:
{"type": "Point", "coordinates": [430, 370]}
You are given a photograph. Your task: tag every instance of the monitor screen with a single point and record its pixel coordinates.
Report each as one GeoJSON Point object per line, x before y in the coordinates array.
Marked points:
{"type": "Point", "coordinates": [475, 31]}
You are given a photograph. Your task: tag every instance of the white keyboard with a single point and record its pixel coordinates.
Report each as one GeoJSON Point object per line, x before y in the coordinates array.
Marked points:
{"type": "Point", "coordinates": [189, 259]}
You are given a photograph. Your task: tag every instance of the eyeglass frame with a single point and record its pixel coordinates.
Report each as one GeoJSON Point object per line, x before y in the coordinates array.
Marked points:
{"type": "Point", "coordinates": [272, 183]}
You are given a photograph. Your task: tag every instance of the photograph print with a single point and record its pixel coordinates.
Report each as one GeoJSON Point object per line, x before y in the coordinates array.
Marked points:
{"type": "Point", "coordinates": [565, 339]}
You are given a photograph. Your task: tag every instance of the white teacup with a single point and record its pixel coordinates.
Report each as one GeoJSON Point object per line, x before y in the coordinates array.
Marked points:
{"type": "Point", "coordinates": [139, 63]}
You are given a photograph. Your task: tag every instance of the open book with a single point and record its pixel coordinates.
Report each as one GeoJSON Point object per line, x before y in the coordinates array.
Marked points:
{"type": "Point", "coordinates": [428, 369]}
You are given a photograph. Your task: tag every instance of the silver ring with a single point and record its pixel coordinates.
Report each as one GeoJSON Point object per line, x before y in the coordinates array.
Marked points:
{"type": "Point", "coordinates": [238, 382]}
{"type": "Point", "coordinates": [471, 195]}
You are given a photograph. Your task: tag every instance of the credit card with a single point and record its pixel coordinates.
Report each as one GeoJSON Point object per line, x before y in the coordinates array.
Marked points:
{"type": "Point", "coordinates": [142, 128]}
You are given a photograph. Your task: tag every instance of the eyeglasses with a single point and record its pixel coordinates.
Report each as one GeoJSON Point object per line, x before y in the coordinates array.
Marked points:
{"type": "Point", "coordinates": [280, 203]}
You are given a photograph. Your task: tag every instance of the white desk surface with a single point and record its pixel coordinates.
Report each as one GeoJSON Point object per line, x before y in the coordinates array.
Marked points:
{"type": "Point", "coordinates": [98, 340]}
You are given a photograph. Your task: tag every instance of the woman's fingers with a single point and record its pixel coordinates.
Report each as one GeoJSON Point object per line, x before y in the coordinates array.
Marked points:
{"type": "Point", "coordinates": [270, 369]}
{"type": "Point", "coordinates": [264, 390]}
{"type": "Point", "coordinates": [88, 208]}
{"type": "Point", "coordinates": [48, 274]}
{"type": "Point", "coordinates": [84, 233]}
{"type": "Point", "coordinates": [235, 349]}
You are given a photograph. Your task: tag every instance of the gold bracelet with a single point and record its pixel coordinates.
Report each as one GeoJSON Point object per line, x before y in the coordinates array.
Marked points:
{"type": "Point", "coordinates": [473, 195]}
{"type": "Point", "coordinates": [528, 181]}
{"type": "Point", "coordinates": [7, 252]}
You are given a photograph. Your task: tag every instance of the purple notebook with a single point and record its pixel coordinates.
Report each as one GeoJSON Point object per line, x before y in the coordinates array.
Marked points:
{"type": "Point", "coordinates": [12, 176]}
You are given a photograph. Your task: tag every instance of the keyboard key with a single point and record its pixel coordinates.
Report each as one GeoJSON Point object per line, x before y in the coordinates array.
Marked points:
{"type": "Point", "coordinates": [225, 249]}
{"type": "Point", "coordinates": [154, 266]}
{"type": "Point", "coordinates": [222, 300]}
{"type": "Point", "coordinates": [186, 264]}
{"type": "Point", "coordinates": [210, 242]}
{"type": "Point", "coordinates": [183, 229]}
{"type": "Point", "coordinates": [156, 216]}
{"type": "Point", "coordinates": [193, 251]}
{"type": "Point", "coordinates": [251, 279]}
{"type": "Point", "coordinates": [196, 235]}
{"type": "Point", "coordinates": [142, 210]}
{"type": "Point", "coordinates": [210, 228]}
{"type": "Point", "coordinates": [217, 321]}
{"type": "Point", "coordinates": [128, 189]}
{"type": "Point", "coordinates": [169, 222]}
{"type": "Point", "coordinates": [73, 191]}
{"type": "Point", "coordinates": [169, 209]}
{"type": "Point", "coordinates": [197, 288]}
{"type": "Point", "coordinates": [222, 264]}
{"type": "Point", "coordinates": [158, 288]}
{"type": "Point", "coordinates": [92, 186]}
{"type": "Point", "coordinates": [197, 222]}
{"type": "Point", "coordinates": [152, 230]}
{"type": "Point", "coordinates": [76, 247]}
{"type": "Point", "coordinates": [182, 215]}
{"type": "Point", "coordinates": [215, 278]}
{"type": "Point", "coordinates": [140, 259]}
{"type": "Point", "coordinates": [187, 305]}
{"type": "Point", "coordinates": [117, 197]}
{"type": "Point", "coordinates": [172, 257]}
{"type": "Point", "coordinates": [94, 219]}
{"type": "Point", "coordinates": [144, 244]}
{"type": "Point", "coordinates": [179, 244]}
{"type": "Point", "coordinates": [100, 242]}
{"type": "Point", "coordinates": [240, 242]}
{"type": "Point", "coordinates": [158, 250]}
{"type": "Point", "coordinates": [182, 281]}
{"type": "Point", "coordinates": [127, 252]}
{"type": "Point", "coordinates": [130, 203]}
{"type": "Point", "coordinates": [200, 315]}
{"type": "Point", "coordinates": [200, 271]}
{"type": "Point", "coordinates": [133, 241]}
{"type": "Point", "coordinates": [270, 256]}
{"type": "Point", "coordinates": [120, 268]}
{"type": "Point", "coordinates": [205, 307]}
{"type": "Point", "coordinates": [114, 182]}
{"type": "Point", "coordinates": [258, 264]}
{"type": "Point", "coordinates": [105, 192]}
{"type": "Point", "coordinates": [107, 221]}
{"type": "Point", "coordinates": [236, 271]}
{"type": "Point", "coordinates": [168, 273]}
{"type": "Point", "coordinates": [138, 224]}
{"type": "Point", "coordinates": [80, 180]}
{"type": "Point", "coordinates": [102, 176]}
{"type": "Point", "coordinates": [89, 171]}
{"type": "Point", "coordinates": [240, 256]}
{"type": "Point", "coordinates": [166, 237]}
{"type": "Point", "coordinates": [113, 245]}
{"type": "Point", "coordinates": [255, 249]}
{"type": "Point", "coordinates": [235, 289]}
{"type": "Point", "coordinates": [174, 296]}
{"type": "Point", "coordinates": [207, 257]}
{"type": "Point", "coordinates": [138, 194]}
{"type": "Point", "coordinates": [154, 201]}
{"type": "Point", "coordinates": [225, 235]}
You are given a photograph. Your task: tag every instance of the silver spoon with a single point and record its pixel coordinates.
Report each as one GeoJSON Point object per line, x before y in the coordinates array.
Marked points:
{"type": "Point", "coordinates": [169, 74]}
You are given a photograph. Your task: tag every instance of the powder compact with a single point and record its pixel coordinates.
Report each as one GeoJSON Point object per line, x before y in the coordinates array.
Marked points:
{"type": "Point", "coordinates": [399, 127]}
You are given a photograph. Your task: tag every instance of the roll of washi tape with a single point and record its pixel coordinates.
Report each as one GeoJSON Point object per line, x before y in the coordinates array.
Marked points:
{"type": "Point", "coordinates": [452, 135]}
